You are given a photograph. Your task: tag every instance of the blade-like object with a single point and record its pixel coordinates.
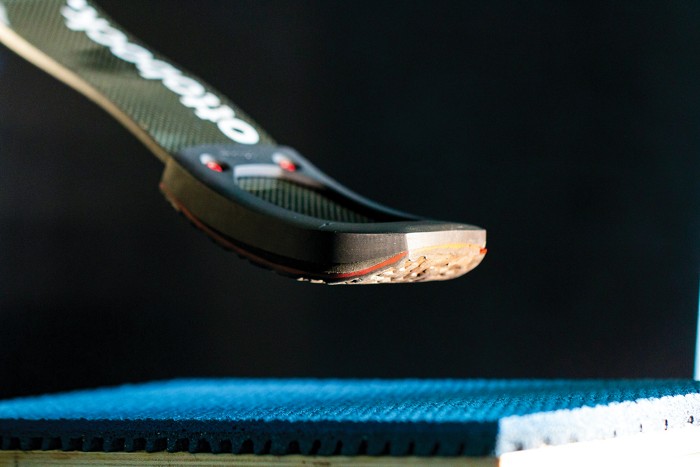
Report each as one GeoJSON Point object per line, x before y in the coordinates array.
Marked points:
{"type": "Point", "coordinates": [264, 201]}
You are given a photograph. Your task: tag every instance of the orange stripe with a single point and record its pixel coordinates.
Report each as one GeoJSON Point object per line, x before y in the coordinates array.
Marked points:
{"type": "Point", "coordinates": [362, 272]}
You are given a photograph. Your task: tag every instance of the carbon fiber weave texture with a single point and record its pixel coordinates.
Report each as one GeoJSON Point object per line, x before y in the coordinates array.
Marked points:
{"type": "Point", "coordinates": [299, 198]}
{"type": "Point", "coordinates": [156, 110]}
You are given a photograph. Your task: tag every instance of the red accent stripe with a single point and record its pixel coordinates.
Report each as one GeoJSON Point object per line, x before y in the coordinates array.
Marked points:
{"type": "Point", "coordinates": [253, 257]}
{"type": "Point", "coordinates": [362, 272]}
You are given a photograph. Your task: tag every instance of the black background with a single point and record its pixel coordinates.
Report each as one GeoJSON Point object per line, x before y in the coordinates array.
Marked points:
{"type": "Point", "coordinates": [571, 132]}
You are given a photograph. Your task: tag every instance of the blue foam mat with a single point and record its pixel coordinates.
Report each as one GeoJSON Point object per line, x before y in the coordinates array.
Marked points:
{"type": "Point", "coordinates": [348, 417]}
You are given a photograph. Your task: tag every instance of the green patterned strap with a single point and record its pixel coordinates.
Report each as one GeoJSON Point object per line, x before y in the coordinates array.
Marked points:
{"type": "Point", "coordinates": [164, 106]}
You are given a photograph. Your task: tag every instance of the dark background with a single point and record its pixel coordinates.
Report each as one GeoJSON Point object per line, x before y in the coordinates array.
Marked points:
{"type": "Point", "coordinates": [571, 132]}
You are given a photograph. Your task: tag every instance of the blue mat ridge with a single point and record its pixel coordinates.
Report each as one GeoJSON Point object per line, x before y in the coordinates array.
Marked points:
{"type": "Point", "coordinates": [346, 417]}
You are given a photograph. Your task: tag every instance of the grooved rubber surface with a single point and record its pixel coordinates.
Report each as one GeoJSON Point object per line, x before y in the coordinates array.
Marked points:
{"type": "Point", "coordinates": [300, 199]}
{"type": "Point", "coordinates": [351, 417]}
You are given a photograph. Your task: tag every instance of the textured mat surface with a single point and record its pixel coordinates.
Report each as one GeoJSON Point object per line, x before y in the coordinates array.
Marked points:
{"type": "Point", "coordinates": [348, 417]}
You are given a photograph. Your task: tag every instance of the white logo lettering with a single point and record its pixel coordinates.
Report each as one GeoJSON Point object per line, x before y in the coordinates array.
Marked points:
{"type": "Point", "coordinates": [238, 130]}
{"type": "Point", "coordinates": [81, 17]}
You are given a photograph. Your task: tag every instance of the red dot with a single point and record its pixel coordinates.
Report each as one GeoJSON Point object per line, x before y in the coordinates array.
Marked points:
{"type": "Point", "coordinates": [287, 165]}
{"type": "Point", "coordinates": [215, 166]}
